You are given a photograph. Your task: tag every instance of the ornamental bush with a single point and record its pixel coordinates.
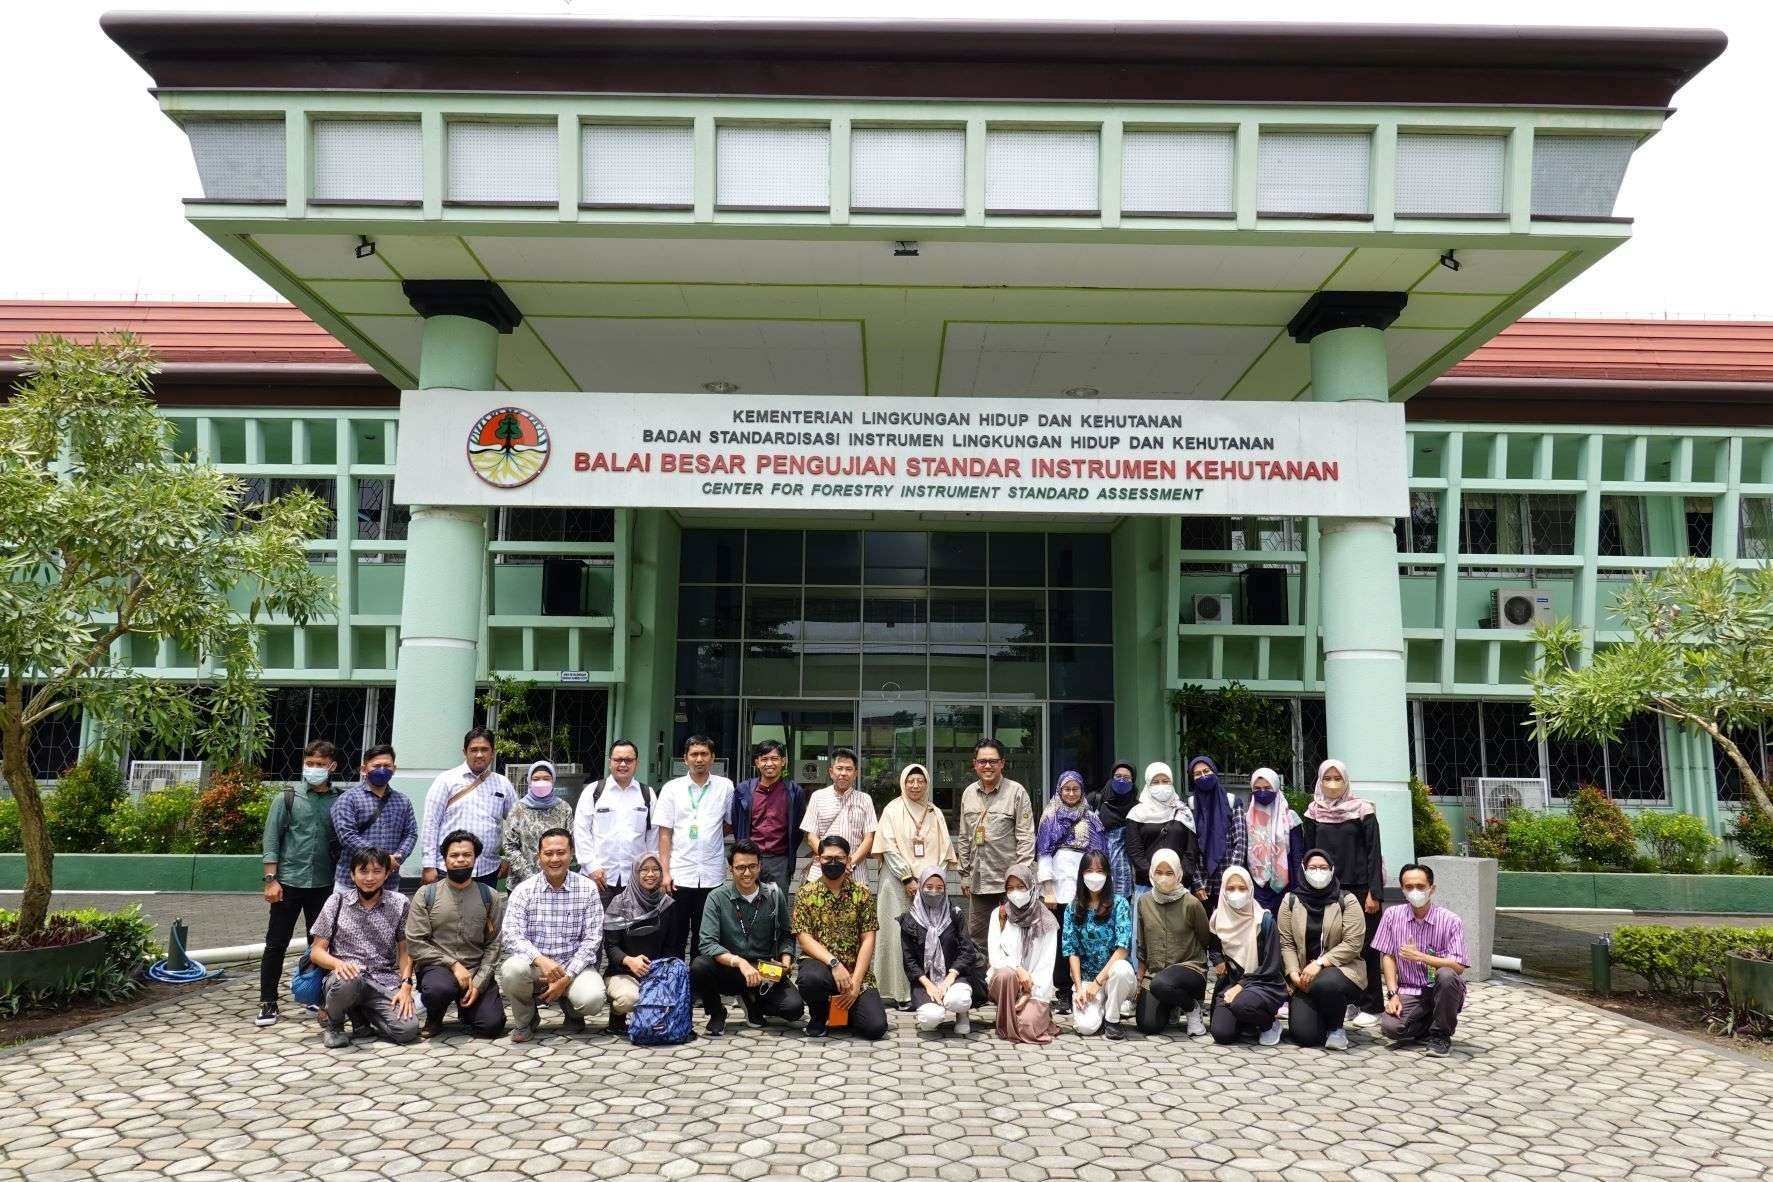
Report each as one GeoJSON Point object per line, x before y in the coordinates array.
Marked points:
{"type": "Point", "coordinates": [160, 823]}
{"type": "Point", "coordinates": [1538, 841]}
{"type": "Point", "coordinates": [1603, 839]}
{"type": "Point", "coordinates": [1680, 842]}
{"type": "Point", "coordinates": [1681, 960]}
{"type": "Point", "coordinates": [82, 801]}
{"type": "Point", "coordinates": [1433, 836]}
{"type": "Point", "coordinates": [11, 841]}
{"type": "Point", "coordinates": [1753, 835]}
{"type": "Point", "coordinates": [229, 817]}
{"type": "Point", "coordinates": [1489, 840]}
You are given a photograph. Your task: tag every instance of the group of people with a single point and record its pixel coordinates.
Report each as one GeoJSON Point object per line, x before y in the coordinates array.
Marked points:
{"type": "Point", "coordinates": [1146, 907]}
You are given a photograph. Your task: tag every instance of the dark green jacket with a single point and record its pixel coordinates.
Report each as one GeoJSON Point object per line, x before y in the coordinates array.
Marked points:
{"type": "Point", "coordinates": [766, 920]}
{"type": "Point", "coordinates": [305, 850]}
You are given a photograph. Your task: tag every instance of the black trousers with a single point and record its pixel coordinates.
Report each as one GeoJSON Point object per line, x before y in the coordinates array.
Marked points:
{"type": "Point", "coordinates": [868, 1017]}
{"type": "Point", "coordinates": [710, 981]}
{"type": "Point", "coordinates": [280, 929]}
{"type": "Point", "coordinates": [1322, 1008]}
{"type": "Point", "coordinates": [438, 990]}
{"type": "Point", "coordinates": [1252, 1012]}
{"type": "Point", "coordinates": [1169, 990]}
{"type": "Point", "coordinates": [687, 905]}
{"type": "Point", "coordinates": [1061, 964]}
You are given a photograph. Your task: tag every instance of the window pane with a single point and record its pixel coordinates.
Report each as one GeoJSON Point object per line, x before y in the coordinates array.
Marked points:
{"type": "Point", "coordinates": [1082, 672]}
{"type": "Point", "coordinates": [773, 556]}
{"type": "Point", "coordinates": [834, 673]}
{"type": "Point", "coordinates": [772, 614]}
{"type": "Point", "coordinates": [896, 559]}
{"type": "Point", "coordinates": [957, 617]}
{"type": "Point", "coordinates": [707, 668]}
{"type": "Point", "coordinates": [1018, 560]}
{"type": "Point", "coordinates": [707, 613]}
{"type": "Point", "coordinates": [1509, 746]}
{"type": "Point", "coordinates": [898, 619]}
{"type": "Point", "coordinates": [1574, 764]}
{"type": "Point", "coordinates": [584, 714]}
{"type": "Point", "coordinates": [1018, 617]}
{"type": "Point", "coordinates": [957, 669]}
{"type": "Point", "coordinates": [957, 560]}
{"type": "Point", "coordinates": [1080, 735]}
{"type": "Point", "coordinates": [894, 671]}
{"type": "Point", "coordinates": [1018, 671]}
{"type": "Point", "coordinates": [1634, 762]}
{"type": "Point", "coordinates": [288, 708]}
{"type": "Point", "coordinates": [1079, 560]}
{"type": "Point", "coordinates": [772, 669]}
{"type": "Point", "coordinates": [711, 556]}
{"type": "Point", "coordinates": [717, 718]}
{"type": "Point", "coordinates": [1082, 617]}
{"type": "Point", "coordinates": [833, 615]}
{"type": "Point", "coordinates": [337, 713]}
{"type": "Point", "coordinates": [833, 556]}
{"type": "Point", "coordinates": [1450, 745]}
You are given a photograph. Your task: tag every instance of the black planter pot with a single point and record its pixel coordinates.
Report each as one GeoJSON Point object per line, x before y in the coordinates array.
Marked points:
{"type": "Point", "coordinates": [51, 966]}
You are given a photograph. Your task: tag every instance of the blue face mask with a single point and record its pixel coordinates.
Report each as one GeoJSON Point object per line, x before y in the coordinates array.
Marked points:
{"type": "Point", "coordinates": [1120, 785]}
{"type": "Point", "coordinates": [316, 776]}
{"type": "Point", "coordinates": [379, 777]}
{"type": "Point", "coordinates": [1263, 795]}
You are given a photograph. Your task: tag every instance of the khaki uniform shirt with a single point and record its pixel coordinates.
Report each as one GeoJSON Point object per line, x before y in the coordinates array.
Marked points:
{"type": "Point", "coordinates": [1005, 821]}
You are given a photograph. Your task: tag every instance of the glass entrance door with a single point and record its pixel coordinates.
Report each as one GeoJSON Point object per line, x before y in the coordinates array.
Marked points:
{"type": "Point", "coordinates": [893, 735]}
{"type": "Point", "coordinates": [808, 730]}
{"type": "Point", "coordinates": [1022, 731]}
{"type": "Point", "coordinates": [954, 728]}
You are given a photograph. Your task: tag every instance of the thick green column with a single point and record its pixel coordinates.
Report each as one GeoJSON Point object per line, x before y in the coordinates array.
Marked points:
{"type": "Point", "coordinates": [646, 691]}
{"type": "Point", "coordinates": [1362, 613]}
{"type": "Point", "coordinates": [1144, 729]}
{"type": "Point", "coordinates": [440, 606]}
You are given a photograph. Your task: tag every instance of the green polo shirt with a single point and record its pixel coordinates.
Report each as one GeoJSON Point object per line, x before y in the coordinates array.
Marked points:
{"type": "Point", "coordinates": [757, 930]}
{"type": "Point", "coordinates": [305, 850]}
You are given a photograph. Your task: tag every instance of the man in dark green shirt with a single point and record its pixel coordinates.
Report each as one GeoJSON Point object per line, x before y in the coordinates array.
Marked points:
{"type": "Point", "coordinates": [744, 927]}
{"type": "Point", "coordinates": [300, 852]}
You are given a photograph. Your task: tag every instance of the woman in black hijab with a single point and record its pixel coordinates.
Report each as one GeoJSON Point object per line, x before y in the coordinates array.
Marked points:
{"type": "Point", "coordinates": [1321, 929]}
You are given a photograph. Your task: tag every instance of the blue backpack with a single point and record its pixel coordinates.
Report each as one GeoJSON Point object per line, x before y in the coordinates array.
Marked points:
{"type": "Point", "coordinates": [661, 1016]}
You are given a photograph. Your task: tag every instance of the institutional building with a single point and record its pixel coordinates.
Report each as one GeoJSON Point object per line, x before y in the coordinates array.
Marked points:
{"type": "Point", "coordinates": [896, 384]}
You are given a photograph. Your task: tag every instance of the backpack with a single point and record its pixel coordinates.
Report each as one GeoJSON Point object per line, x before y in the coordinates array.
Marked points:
{"type": "Point", "coordinates": [661, 1016]}
{"type": "Point", "coordinates": [308, 983]}
{"type": "Point", "coordinates": [646, 794]}
{"type": "Point", "coordinates": [429, 894]}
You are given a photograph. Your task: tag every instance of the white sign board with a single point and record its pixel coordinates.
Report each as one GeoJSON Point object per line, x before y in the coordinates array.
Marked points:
{"type": "Point", "coordinates": [971, 455]}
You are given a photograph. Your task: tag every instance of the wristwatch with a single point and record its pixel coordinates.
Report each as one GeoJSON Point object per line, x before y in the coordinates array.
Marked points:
{"type": "Point", "coordinates": [833, 964]}
{"type": "Point", "coordinates": [412, 980]}
{"type": "Point", "coordinates": [270, 878]}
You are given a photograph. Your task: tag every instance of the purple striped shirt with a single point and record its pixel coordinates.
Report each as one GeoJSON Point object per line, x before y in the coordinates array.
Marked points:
{"type": "Point", "coordinates": [1439, 933]}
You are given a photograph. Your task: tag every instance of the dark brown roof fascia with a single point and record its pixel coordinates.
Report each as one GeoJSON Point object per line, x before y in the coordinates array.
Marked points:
{"type": "Point", "coordinates": [1054, 60]}
{"type": "Point", "coordinates": [1591, 402]}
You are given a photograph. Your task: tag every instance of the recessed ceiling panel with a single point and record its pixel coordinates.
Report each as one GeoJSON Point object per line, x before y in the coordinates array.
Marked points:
{"type": "Point", "coordinates": [322, 256]}
{"type": "Point", "coordinates": [758, 356]}
{"type": "Point", "coordinates": [1117, 361]}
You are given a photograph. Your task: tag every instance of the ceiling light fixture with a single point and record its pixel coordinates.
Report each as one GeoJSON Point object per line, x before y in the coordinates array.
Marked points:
{"type": "Point", "coordinates": [721, 387]}
{"type": "Point", "coordinates": [1448, 261]}
{"type": "Point", "coordinates": [364, 247]}
{"type": "Point", "coordinates": [1081, 391]}
{"type": "Point", "coordinates": [905, 249]}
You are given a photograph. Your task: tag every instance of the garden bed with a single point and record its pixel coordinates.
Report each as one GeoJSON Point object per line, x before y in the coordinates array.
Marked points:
{"type": "Point", "coordinates": [1674, 894]}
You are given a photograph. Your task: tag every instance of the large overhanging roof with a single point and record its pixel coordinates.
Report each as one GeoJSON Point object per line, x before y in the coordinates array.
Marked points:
{"type": "Point", "coordinates": [1129, 210]}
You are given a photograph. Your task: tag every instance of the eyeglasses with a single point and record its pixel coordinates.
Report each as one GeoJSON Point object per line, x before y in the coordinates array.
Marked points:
{"type": "Point", "coordinates": [986, 762]}
{"type": "Point", "coordinates": [621, 759]}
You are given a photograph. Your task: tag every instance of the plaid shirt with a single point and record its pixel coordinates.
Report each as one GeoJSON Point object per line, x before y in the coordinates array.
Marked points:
{"type": "Point", "coordinates": [1237, 852]}
{"type": "Point", "coordinates": [564, 923]}
{"type": "Point", "coordinates": [482, 813]}
{"type": "Point", "coordinates": [395, 831]}
{"type": "Point", "coordinates": [371, 937]}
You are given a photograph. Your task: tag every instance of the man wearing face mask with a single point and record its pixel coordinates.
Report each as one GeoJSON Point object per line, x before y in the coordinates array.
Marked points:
{"type": "Point", "coordinates": [371, 815]}
{"type": "Point", "coordinates": [452, 932]}
{"type": "Point", "coordinates": [835, 922]}
{"type": "Point", "coordinates": [1422, 954]}
{"type": "Point", "coordinates": [360, 941]}
{"type": "Point", "coordinates": [300, 849]}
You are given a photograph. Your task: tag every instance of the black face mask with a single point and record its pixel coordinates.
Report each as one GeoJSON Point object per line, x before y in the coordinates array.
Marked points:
{"type": "Point", "coordinates": [834, 869]}
{"type": "Point", "coordinates": [460, 874]}
{"type": "Point", "coordinates": [369, 896]}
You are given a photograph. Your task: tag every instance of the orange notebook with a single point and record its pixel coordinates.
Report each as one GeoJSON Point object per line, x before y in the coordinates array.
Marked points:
{"type": "Point", "coordinates": [840, 1014]}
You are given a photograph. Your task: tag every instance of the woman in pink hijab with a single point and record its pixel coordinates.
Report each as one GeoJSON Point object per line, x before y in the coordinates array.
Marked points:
{"type": "Point", "coordinates": [1345, 827]}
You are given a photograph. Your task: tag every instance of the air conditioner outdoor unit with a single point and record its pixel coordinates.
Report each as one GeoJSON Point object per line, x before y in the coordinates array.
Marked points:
{"type": "Point", "coordinates": [1212, 609]}
{"type": "Point", "coordinates": [1518, 607]}
{"type": "Point", "coordinates": [1491, 797]}
{"type": "Point", "coordinates": [152, 775]}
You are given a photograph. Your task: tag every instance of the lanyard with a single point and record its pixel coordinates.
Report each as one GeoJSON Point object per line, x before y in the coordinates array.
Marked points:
{"type": "Point", "coordinates": [696, 799]}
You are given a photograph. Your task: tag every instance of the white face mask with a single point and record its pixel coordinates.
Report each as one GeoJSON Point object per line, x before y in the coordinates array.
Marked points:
{"type": "Point", "coordinates": [1237, 900]}
{"type": "Point", "coordinates": [1319, 879]}
{"type": "Point", "coordinates": [316, 776]}
{"type": "Point", "coordinates": [1019, 898]}
{"type": "Point", "coordinates": [1163, 793]}
{"type": "Point", "coordinates": [1095, 881]}
{"type": "Point", "coordinates": [1417, 898]}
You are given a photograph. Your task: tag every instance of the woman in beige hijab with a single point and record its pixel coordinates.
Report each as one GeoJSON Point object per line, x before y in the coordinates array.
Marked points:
{"type": "Point", "coordinates": [912, 837]}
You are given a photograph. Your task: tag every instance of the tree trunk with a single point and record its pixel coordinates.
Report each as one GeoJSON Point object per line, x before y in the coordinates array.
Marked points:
{"type": "Point", "coordinates": [1753, 789]}
{"type": "Point", "coordinates": [15, 741]}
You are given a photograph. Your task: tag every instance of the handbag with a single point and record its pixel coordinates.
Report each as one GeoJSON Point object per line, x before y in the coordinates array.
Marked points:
{"type": "Point", "coordinates": [308, 984]}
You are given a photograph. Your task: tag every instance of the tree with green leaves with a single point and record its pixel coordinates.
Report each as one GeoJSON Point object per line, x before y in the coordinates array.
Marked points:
{"type": "Point", "coordinates": [1700, 651]}
{"type": "Point", "coordinates": [106, 536]}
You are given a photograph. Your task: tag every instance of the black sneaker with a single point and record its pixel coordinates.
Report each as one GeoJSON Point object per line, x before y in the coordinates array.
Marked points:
{"type": "Point", "coordinates": [1440, 1046]}
{"type": "Point", "coordinates": [267, 1015]}
{"type": "Point", "coordinates": [1112, 1031]}
{"type": "Point", "coordinates": [573, 1025]}
{"type": "Point", "coordinates": [716, 1024]}
{"type": "Point", "coordinates": [753, 1013]}
{"type": "Point", "coordinates": [817, 1030]}
{"type": "Point", "coordinates": [1062, 1004]}
{"type": "Point", "coordinates": [618, 1024]}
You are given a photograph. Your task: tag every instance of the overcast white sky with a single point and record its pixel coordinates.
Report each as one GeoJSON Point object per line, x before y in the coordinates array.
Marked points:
{"type": "Point", "coordinates": [91, 174]}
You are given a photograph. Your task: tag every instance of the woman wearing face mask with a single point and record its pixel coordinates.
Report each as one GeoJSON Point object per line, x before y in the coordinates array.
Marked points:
{"type": "Point", "coordinates": [1097, 943]}
{"type": "Point", "coordinates": [1252, 983]}
{"type": "Point", "coordinates": [1161, 820]}
{"type": "Point", "coordinates": [1112, 804]}
{"type": "Point", "coordinates": [636, 932]}
{"type": "Point", "coordinates": [1277, 843]}
{"type": "Point", "coordinates": [539, 810]}
{"type": "Point", "coordinates": [1321, 929]}
{"type": "Point", "coordinates": [911, 838]}
{"type": "Point", "coordinates": [1022, 943]}
{"type": "Point", "coordinates": [1346, 828]}
{"type": "Point", "coordinates": [945, 966]}
{"type": "Point", "coordinates": [1172, 950]}
{"type": "Point", "coordinates": [1220, 837]}
{"type": "Point", "coordinates": [1068, 831]}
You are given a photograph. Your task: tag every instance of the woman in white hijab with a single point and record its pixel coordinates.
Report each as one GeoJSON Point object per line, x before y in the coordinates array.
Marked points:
{"type": "Point", "coordinates": [912, 837]}
{"type": "Point", "coordinates": [1162, 820]}
{"type": "Point", "coordinates": [1277, 841]}
{"type": "Point", "coordinates": [1252, 979]}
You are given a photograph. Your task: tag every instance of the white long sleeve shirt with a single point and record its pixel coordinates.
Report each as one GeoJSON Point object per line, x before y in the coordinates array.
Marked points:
{"type": "Point", "coordinates": [612, 833]}
{"type": "Point", "coordinates": [1005, 943]}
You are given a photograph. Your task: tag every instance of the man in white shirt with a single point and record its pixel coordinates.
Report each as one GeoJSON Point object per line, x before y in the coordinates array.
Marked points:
{"type": "Point", "coordinates": [842, 809]}
{"type": "Point", "coordinates": [471, 797]}
{"type": "Point", "coordinates": [693, 818]}
{"type": "Point", "coordinates": [613, 826]}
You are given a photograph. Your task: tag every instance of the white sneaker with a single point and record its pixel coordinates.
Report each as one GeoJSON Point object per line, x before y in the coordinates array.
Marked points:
{"type": "Point", "coordinates": [1196, 1028]}
{"type": "Point", "coordinates": [1285, 1014]}
{"type": "Point", "coordinates": [1271, 1036]}
{"type": "Point", "coordinates": [1337, 1040]}
{"type": "Point", "coordinates": [1128, 1011]}
{"type": "Point", "coordinates": [1364, 1021]}
{"type": "Point", "coordinates": [963, 1024]}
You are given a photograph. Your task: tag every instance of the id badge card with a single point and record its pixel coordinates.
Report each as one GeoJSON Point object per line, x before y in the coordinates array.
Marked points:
{"type": "Point", "coordinates": [979, 834]}
{"type": "Point", "coordinates": [917, 849]}
{"type": "Point", "coordinates": [695, 832]}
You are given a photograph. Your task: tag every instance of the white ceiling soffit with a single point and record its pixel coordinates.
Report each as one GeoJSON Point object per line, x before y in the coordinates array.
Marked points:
{"type": "Point", "coordinates": [957, 264]}
{"type": "Point", "coordinates": [1119, 361]}
{"type": "Point", "coordinates": [658, 356]}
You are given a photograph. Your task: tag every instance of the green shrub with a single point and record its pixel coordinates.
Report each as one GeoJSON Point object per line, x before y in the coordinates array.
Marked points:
{"type": "Point", "coordinates": [1730, 864]}
{"type": "Point", "coordinates": [230, 815]}
{"type": "Point", "coordinates": [160, 823]}
{"type": "Point", "coordinates": [1754, 836]}
{"type": "Point", "coordinates": [130, 937]}
{"type": "Point", "coordinates": [1538, 841]}
{"type": "Point", "coordinates": [1489, 840]}
{"type": "Point", "coordinates": [1432, 834]}
{"type": "Point", "coordinates": [11, 841]}
{"type": "Point", "coordinates": [1680, 842]}
{"type": "Point", "coordinates": [1603, 838]}
{"type": "Point", "coordinates": [1299, 798]}
{"type": "Point", "coordinates": [103, 985]}
{"type": "Point", "coordinates": [82, 801]}
{"type": "Point", "coordinates": [1679, 960]}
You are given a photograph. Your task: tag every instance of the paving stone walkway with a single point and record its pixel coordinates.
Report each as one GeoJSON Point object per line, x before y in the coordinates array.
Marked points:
{"type": "Point", "coordinates": [1537, 1087]}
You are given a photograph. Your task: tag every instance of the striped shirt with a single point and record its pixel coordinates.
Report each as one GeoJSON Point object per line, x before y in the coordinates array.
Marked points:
{"type": "Point", "coordinates": [563, 923]}
{"type": "Point", "coordinates": [1439, 933]}
{"type": "Point", "coordinates": [394, 831]}
{"type": "Point", "coordinates": [482, 813]}
{"type": "Point", "coordinates": [850, 816]}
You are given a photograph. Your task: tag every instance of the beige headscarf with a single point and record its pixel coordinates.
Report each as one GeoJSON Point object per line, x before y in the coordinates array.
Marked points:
{"type": "Point", "coordinates": [1236, 929]}
{"type": "Point", "coordinates": [902, 824]}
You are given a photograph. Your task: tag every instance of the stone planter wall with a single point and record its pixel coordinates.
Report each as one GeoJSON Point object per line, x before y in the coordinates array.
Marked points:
{"type": "Point", "coordinates": [51, 966]}
{"type": "Point", "coordinates": [143, 872]}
